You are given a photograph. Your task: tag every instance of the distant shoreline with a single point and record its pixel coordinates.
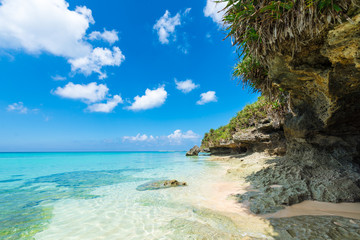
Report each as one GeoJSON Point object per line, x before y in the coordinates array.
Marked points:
{"type": "Point", "coordinates": [94, 151]}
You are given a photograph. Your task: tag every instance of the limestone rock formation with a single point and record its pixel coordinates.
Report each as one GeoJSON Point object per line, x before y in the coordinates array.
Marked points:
{"type": "Point", "coordinates": [323, 130]}
{"type": "Point", "coordinates": [194, 151]}
{"type": "Point", "coordinates": [265, 136]}
{"type": "Point", "coordinates": [324, 85]}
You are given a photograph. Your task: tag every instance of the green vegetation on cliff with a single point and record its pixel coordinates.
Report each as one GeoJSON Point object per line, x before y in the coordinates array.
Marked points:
{"type": "Point", "coordinates": [246, 118]}
{"type": "Point", "coordinates": [260, 29]}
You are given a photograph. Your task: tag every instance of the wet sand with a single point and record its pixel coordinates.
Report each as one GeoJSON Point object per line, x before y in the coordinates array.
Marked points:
{"type": "Point", "coordinates": [349, 210]}
{"type": "Point", "coordinates": [239, 166]}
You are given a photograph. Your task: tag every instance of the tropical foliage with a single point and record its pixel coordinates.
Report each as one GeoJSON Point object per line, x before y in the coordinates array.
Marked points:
{"type": "Point", "coordinates": [262, 28]}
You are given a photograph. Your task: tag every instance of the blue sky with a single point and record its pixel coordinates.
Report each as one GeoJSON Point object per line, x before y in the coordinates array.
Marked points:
{"type": "Point", "coordinates": [113, 76]}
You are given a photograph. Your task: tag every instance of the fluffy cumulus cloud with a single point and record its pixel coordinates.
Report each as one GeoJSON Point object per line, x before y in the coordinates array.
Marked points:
{"type": "Point", "coordinates": [214, 9]}
{"type": "Point", "coordinates": [165, 26]}
{"type": "Point", "coordinates": [151, 99]}
{"type": "Point", "coordinates": [179, 136]}
{"type": "Point", "coordinates": [109, 36]}
{"type": "Point", "coordinates": [44, 26]}
{"type": "Point", "coordinates": [18, 107]}
{"type": "Point", "coordinates": [106, 107]}
{"type": "Point", "coordinates": [138, 138]}
{"type": "Point", "coordinates": [37, 26]}
{"type": "Point", "coordinates": [94, 95]}
{"type": "Point", "coordinates": [207, 97]}
{"type": "Point", "coordinates": [186, 86]}
{"type": "Point", "coordinates": [175, 138]}
{"type": "Point", "coordinates": [88, 93]}
{"type": "Point", "coordinates": [97, 59]}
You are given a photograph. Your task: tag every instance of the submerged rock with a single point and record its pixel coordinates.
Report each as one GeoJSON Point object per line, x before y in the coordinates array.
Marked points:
{"type": "Point", "coordinates": [155, 185]}
{"type": "Point", "coordinates": [193, 151]}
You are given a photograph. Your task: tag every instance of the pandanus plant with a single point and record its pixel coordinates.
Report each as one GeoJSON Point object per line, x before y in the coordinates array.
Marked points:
{"type": "Point", "coordinates": [261, 28]}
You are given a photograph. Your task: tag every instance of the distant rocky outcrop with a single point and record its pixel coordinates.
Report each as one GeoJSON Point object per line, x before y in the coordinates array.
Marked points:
{"type": "Point", "coordinates": [264, 137]}
{"type": "Point", "coordinates": [155, 185]}
{"type": "Point", "coordinates": [194, 151]}
{"type": "Point", "coordinates": [257, 128]}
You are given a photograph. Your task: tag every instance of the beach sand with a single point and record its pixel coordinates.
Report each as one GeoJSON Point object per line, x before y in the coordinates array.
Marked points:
{"type": "Point", "coordinates": [304, 220]}
{"type": "Point", "coordinates": [241, 165]}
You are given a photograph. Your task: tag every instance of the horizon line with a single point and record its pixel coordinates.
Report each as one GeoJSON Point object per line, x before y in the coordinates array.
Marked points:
{"type": "Point", "coordinates": [93, 151]}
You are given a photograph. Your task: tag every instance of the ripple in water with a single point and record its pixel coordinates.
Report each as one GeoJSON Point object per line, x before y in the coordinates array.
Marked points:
{"type": "Point", "coordinates": [27, 209]}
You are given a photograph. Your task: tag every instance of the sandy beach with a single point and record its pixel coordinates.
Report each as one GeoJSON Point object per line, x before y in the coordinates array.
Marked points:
{"type": "Point", "coordinates": [219, 197]}
{"type": "Point", "coordinates": [238, 167]}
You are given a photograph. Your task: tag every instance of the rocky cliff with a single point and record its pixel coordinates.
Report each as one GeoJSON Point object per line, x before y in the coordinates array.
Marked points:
{"type": "Point", "coordinates": [324, 85]}
{"type": "Point", "coordinates": [256, 128]}
{"type": "Point", "coordinates": [322, 128]}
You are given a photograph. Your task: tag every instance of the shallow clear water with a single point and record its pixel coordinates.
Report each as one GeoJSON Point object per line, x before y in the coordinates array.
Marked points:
{"type": "Point", "coordinates": [94, 196]}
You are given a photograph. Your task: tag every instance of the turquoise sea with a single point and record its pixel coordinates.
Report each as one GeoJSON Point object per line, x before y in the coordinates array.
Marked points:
{"type": "Point", "coordinates": [94, 196]}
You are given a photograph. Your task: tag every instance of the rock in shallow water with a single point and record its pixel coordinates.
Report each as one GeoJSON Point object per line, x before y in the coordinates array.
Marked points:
{"type": "Point", "coordinates": [193, 151]}
{"type": "Point", "coordinates": [155, 185]}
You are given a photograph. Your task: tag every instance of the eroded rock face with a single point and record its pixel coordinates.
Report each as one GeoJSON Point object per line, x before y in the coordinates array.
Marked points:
{"type": "Point", "coordinates": [194, 151]}
{"type": "Point", "coordinates": [225, 148]}
{"type": "Point", "coordinates": [266, 136]}
{"type": "Point", "coordinates": [324, 86]}
{"type": "Point", "coordinates": [323, 130]}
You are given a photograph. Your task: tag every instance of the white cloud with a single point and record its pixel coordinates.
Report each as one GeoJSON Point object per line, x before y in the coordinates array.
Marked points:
{"type": "Point", "coordinates": [94, 95]}
{"type": "Point", "coordinates": [186, 86]}
{"type": "Point", "coordinates": [138, 138]}
{"type": "Point", "coordinates": [108, 36]}
{"type": "Point", "coordinates": [178, 135]}
{"type": "Point", "coordinates": [214, 9]}
{"type": "Point", "coordinates": [175, 138]}
{"type": "Point", "coordinates": [58, 78]}
{"type": "Point", "coordinates": [98, 58]}
{"type": "Point", "coordinates": [18, 107]}
{"type": "Point", "coordinates": [83, 10]}
{"type": "Point", "coordinates": [165, 26]}
{"type": "Point", "coordinates": [37, 26]}
{"type": "Point", "coordinates": [88, 93]}
{"type": "Point", "coordinates": [106, 107]}
{"type": "Point", "coordinates": [207, 97]}
{"type": "Point", "coordinates": [187, 11]}
{"type": "Point", "coordinates": [151, 99]}
{"type": "Point", "coordinates": [44, 26]}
